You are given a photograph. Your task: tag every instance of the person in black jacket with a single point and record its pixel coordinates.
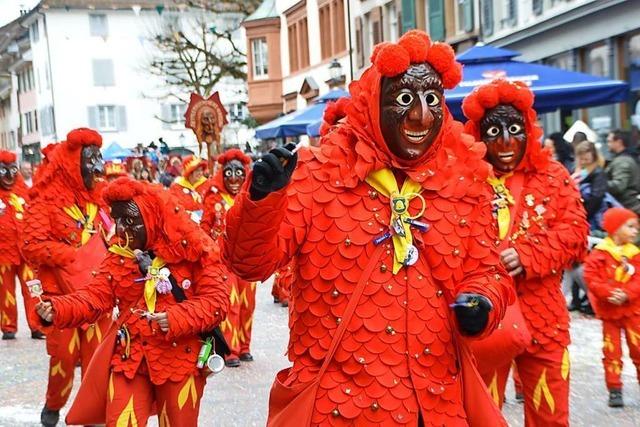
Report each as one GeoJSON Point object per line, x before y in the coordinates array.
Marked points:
{"type": "Point", "coordinates": [592, 180]}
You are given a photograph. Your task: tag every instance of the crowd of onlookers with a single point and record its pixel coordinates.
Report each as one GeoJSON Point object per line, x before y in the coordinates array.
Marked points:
{"type": "Point", "coordinates": [607, 177]}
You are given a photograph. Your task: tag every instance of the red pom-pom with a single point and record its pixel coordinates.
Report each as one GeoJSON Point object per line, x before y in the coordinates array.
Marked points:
{"type": "Point", "coordinates": [7, 156]}
{"type": "Point", "coordinates": [376, 51]}
{"type": "Point", "coordinates": [84, 136]}
{"type": "Point", "coordinates": [122, 189]}
{"type": "Point", "coordinates": [471, 108]}
{"type": "Point", "coordinates": [392, 60]}
{"type": "Point", "coordinates": [417, 44]}
{"type": "Point", "coordinates": [234, 154]}
{"type": "Point", "coordinates": [443, 59]}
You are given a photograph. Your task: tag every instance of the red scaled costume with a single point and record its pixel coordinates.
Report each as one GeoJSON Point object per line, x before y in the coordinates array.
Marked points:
{"type": "Point", "coordinates": [549, 233]}
{"type": "Point", "coordinates": [13, 204]}
{"type": "Point", "coordinates": [62, 217]}
{"type": "Point", "coordinates": [189, 195]}
{"type": "Point", "coordinates": [238, 325]}
{"type": "Point", "coordinates": [398, 359]}
{"type": "Point", "coordinates": [149, 365]}
{"type": "Point", "coordinates": [604, 271]}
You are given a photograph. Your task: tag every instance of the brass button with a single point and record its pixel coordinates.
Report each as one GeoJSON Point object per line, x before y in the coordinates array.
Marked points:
{"type": "Point", "coordinates": [373, 195]}
{"type": "Point", "coordinates": [390, 330]}
{"type": "Point", "coordinates": [427, 351]}
{"type": "Point", "coordinates": [439, 293]}
{"type": "Point", "coordinates": [174, 344]}
{"type": "Point", "coordinates": [375, 406]}
{"type": "Point", "coordinates": [335, 293]}
{"type": "Point", "coordinates": [463, 222]}
{"type": "Point", "coordinates": [456, 252]}
{"type": "Point", "coordinates": [383, 268]}
{"type": "Point", "coordinates": [347, 242]}
{"type": "Point", "coordinates": [177, 208]}
{"type": "Point", "coordinates": [187, 350]}
{"type": "Point", "coordinates": [184, 243]}
{"type": "Point", "coordinates": [335, 413]}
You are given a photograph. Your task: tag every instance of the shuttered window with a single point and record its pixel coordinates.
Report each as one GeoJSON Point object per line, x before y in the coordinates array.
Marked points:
{"type": "Point", "coordinates": [98, 25]}
{"type": "Point", "coordinates": [408, 15]}
{"type": "Point", "coordinates": [103, 72]}
{"type": "Point", "coordinates": [436, 19]}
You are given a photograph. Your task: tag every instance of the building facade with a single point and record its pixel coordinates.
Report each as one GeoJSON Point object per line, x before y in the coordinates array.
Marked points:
{"type": "Point", "coordinates": [297, 51]}
{"type": "Point", "coordinates": [86, 65]}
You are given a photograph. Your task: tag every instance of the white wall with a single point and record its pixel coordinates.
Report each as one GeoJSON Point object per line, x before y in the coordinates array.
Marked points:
{"type": "Point", "coordinates": [72, 49]}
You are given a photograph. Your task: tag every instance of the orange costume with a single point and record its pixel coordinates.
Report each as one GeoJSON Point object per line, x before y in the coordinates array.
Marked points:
{"type": "Point", "coordinates": [189, 195]}
{"type": "Point", "coordinates": [604, 271]}
{"type": "Point", "coordinates": [148, 365]}
{"type": "Point", "coordinates": [548, 231]}
{"type": "Point", "coordinates": [13, 203]}
{"type": "Point", "coordinates": [238, 325]}
{"type": "Point", "coordinates": [397, 362]}
{"type": "Point", "coordinates": [62, 218]}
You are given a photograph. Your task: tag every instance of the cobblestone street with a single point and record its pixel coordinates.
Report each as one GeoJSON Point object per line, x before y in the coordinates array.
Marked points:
{"type": "Point", "coordinates": [238, 397]}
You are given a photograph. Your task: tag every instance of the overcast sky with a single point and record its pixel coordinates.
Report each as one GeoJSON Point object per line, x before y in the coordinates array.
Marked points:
{"type": "Point", "coordinates": [10, 9]}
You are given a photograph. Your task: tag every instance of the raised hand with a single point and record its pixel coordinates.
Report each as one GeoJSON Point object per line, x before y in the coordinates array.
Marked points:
{"type": "Point", "coordinates": [273, 171]}
{"type": "Point", "coordinates": [511, 261]}
{"type": "Point", "coordinates": [472, 312]}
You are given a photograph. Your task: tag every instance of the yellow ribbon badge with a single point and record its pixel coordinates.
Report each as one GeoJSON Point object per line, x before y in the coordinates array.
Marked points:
{"type": "Point", "coordinates": [183, 182]}
{"type": "Point", "coordinates": [622, 254]}
{"type": "Point", "coordinates": [86, 221]}
{"type": "Point", "coordinates": [501, 203]}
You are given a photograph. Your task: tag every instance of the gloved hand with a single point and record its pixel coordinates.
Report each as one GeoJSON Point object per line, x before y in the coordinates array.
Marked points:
{"type": "Point", "coordinates": [272, 172]}
{"type": "Point", "coordinates": [472, 312]}
{"type": "Point", "coordinates": [144, 261]}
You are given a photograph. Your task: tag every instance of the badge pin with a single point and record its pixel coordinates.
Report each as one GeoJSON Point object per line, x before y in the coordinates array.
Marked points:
{"type": "Point", "coordinates": [382, 238]}
{"type": "Point", "coordinates": [529, 200]}
{"type": "Point", "coordinates": [215, 363]}
{"type": "Point", "coordinates": [412, 255]}
{"type": "Point", "coordinates": [399, 205]}
{"type": "Point", "coordinates": [398, 227]}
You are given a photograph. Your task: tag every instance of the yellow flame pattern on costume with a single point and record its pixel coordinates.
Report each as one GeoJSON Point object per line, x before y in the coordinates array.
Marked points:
{"type": "Point", "coordinates": [127, 416]}
{"type": "Point", "coordinates": [27, 273]}
{"type": "Point", "coordinates": [67, 389]}
{"type": "Point", "coordinates": [57, 370]}
{"type": "Point", "coordinates": [607, 344]}
{"type": "Point", "coordinates": [112, 389]}
{"type": "Point", "coordinates": [633, 336]}
{"type": "Point", "coordinates": [493, 389]}
{"type": "Point", "coordinates": [565, 367]}
{"type": "Point", "coordinates": [189, 388]}
{"type": "Point", "coordinates": [542, 390]}
{"type": "Point", "coordinates": [163, 418]}
{"type": "Point", "coordinates": [74, 342]}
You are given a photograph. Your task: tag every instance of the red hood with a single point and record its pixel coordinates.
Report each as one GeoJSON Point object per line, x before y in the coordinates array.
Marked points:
{"type": "Point", "coordinates": [19, 188]}
{"type": "Point", "coordinates": [521, 97]}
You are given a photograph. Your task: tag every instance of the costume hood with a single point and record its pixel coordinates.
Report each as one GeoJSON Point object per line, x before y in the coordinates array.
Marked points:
{"type": "Point", "coordinates": [19, 187]}
{"type": "Point", "coordinates": [223, 159]}
{"type": "Point", "coordinates": [171, 234]}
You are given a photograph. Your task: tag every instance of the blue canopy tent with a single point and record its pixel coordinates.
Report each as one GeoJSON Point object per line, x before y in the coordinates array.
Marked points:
{"type": "Point", "coordinates": [115, 151]}
{"type": "Point", "coordinates": [296, 123]}
{"type": "Point", "coordinates": [554, 88]}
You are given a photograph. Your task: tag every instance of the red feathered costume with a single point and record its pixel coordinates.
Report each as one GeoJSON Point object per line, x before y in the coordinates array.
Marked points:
{"type": "Point", "coordinates": [13, 204]}
{"type": "Point", "coordinates": [399, 358]}
{"type": "Point", "coordinates": [149, 365]}
{"type": "Point", "coordinates": [62, 239]}
{"type": "Point", "coordinates": [549, 234]}
{"type": "Point", "coordinates": [238, 325]}
{"type": "Point", "coordinates": [606, 268]}
{"type": "Point", "coordinates": [190, 195]}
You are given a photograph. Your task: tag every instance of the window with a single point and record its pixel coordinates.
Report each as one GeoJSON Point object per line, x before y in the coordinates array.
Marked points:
{"type": "Point", "coordinates": [98, 25]}
{"type": "Point", "coordinates": [436, 19]}
{"type": "Point", "coordinates": [103, 72]}
{"type": "Point", "coordinates": [35, 32]}
{"type": "Point", "coordinates": [332, 28]}
{"type": "Point", "coordinates": [393, 30]}
{"type": "Point", "coordinates": [464, 16]}
{"type": "Point", "coordinates": [46, 120]}
{"type": "Point", "coordinates": [509, 13]}
{"type": "Point", "coordinates": [359, 43]}
{"type": "Point", "coordinates": [487, 17]}
{"type": "Point", "coordinates": [237, 112]}
{"type": "Point", "coordinates": [325, 31]}
{"type": "Point", "coordinates": [176, 113]}
{"type": "Point", "coordinates": [260, 58]}
{"type": "Point", "coordinates": [27, 123]}
{"type": "Point", "coordinates": [298, 37]}
{"type": "Point", "coordinates": [536, 6]}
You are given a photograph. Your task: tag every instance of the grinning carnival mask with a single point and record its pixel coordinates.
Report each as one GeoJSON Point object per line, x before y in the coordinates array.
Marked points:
{"type": "Point", "coordinates": [91, 166]}
{"type": "Point", "coordinates": [130, 227]}
{"type": "Point", "coordinates": [502, 130]}
{"type": "Point", "coordinates": [233, 176]}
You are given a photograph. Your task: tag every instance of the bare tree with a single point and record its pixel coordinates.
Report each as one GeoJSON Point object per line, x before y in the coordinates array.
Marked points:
{"type": "Point", "coordinates": [193, 55]}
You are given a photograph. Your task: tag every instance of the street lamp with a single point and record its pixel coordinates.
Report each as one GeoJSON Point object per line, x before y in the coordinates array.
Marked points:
{"type": "Point", "coordinates": [336, 77]}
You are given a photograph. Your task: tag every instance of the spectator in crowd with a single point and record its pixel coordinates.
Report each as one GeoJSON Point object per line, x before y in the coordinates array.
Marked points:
{"type": "Point", "coordinates": [561, 150]}
{"type": "Point", "coordinates": [27, 172]}
{"type": "Point", "coordinates": [592, 180]}
{"type": "Point", "coordinates": [136, 168]}
{"type": "Point", "coordinates": [145, 175]}
{"type": "Point", "coordinates": [623, 172]}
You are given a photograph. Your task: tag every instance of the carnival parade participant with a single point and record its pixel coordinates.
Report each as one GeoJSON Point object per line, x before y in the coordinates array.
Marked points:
{"type": "Point", "coordinates": [13, 204]}
{"type": "Point", "coordinates": [233, 167]}
{"type": "Point", "coordinates": [188, 188]}
{"type": "Point", "coordinates": [389, 221]}
{"type": "Point", "coordinates": [542, 230]}
{"type": "Point", "coordinates": [62, 240]}
{"type": "Point", "coordinates": [165, 278]}
{"type": "Point", "coordinates": [614, 290]}
{"type": "Point", "coordinates": [283, 279]}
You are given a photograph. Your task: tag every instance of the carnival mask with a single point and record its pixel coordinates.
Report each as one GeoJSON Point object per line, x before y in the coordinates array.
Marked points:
{"type": "Point", "coordinates": [91, 166]}
{"type": "Point", "coordinates": [411, 111]}
{"type": "Point", "coordinates": [130, 227]}
{"type": "Point", "coordinates": [207, 120]}
{"type": "Point", "coordinates": [502, 130]}
{"type": "Point", "coordinates": [233, 176]}
{"type": "Point", "coordinates": [8, 172]}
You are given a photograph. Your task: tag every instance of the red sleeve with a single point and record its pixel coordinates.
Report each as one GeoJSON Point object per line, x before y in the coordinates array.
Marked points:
{"type": "Point", "coordinates": [41, 247]}
{"type": "Point", "coordinates": [595, 275]}
{"type": "Point", "coordinates": [483, 271]}
{"type": "Point", "coordinates": [87, 303]}
{"type": "Point", "coordinates": [262, 236]}
{"type": "Point", "coordinates": [210, 303]}
{"type": "Point", "coordinates": [209, 211]}
{"type": "Point", "coordinates": [564, 239]}
{"type": "Point", "coordinates": [632, 287]}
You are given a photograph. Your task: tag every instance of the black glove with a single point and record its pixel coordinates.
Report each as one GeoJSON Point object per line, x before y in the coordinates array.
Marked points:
{"type": "Point", "coordinates": [272, 172]}
{"type": "Point", "coordinates": [144, 262]}
{"type": "Point", "coordinates": [472, 311]}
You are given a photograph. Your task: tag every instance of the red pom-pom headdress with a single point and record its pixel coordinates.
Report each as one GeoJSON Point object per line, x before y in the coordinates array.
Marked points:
{"type": "Point", "coordinates": [171, 233]}
{"type": "Point", "coordinates": [223, 159]}
{"type": "Point", "coordinates": [7, 156]}
{"type": "Point", "coordinates": [517, 94]}
{"type": "Point", "coordinates": [192, 163]}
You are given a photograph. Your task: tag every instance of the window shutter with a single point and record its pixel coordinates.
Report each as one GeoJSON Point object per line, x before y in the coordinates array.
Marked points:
{"type": "Point", "coordinates": [408, 15]}
{"type": "Point", "coordinates": [436, 19]}
{"type": "Point", "coordinates": [537, 6]}
{"type": "Point", "coordinates": [487, 17]}
{"type": "Point", "coordinates": [165, 115]}
{"type": "Point", "coordinates": [121, 118]}
{"type": "Point", "coordinates": [93, 117]}
{"type": "Point", "coordinates": [467, 9]}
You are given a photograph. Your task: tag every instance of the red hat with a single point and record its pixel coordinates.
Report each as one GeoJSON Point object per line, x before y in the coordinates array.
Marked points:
{"type": "Point", "coordinates": [7, 156]}
{"type": "Point", "coordinates": [614, 218]}
{"type": "Point", "coordinates": [191, 163]}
